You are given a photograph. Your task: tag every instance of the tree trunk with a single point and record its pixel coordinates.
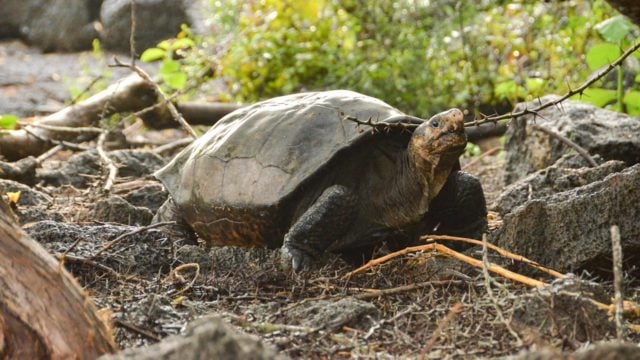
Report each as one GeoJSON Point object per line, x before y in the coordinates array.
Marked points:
{"type": "Point", "coordinates": [43, 312]}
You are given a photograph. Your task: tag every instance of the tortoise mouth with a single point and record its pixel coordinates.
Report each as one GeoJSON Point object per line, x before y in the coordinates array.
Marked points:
{"type": "Point", "coordinates": [451, 143]}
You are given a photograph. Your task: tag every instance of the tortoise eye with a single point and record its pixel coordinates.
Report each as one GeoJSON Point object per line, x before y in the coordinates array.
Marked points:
{"type": "Point", "coordinates": [434, 123]}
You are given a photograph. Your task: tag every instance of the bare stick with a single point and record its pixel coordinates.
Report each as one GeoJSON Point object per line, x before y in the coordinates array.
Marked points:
{"type": "Point", "coordinates": [570, 93]}
{"type": "Point", "coordinates": [132, 35]}
{"type": "Point", "coordinates": [487, 285]}
{"type": "Point", "coordinates": [501, 251]}
{"type": "Point", "coordinates": [172, 108]}
{"type": "Point", "coordinates": [482, 156]}
{"type": "Point", "coordinates": [108, 245]}
{"type": "Point", "coordinates": [617, 281]}
{"type": "Point", "coordinates": [568, 142]}
{"type": "Point", "coordinates": [455, 309]}
{"type": "Point", "coordinates": [375, 293]}
{"type": "Point", "coordinates": [113, 169]}
{"type": "Point", "coordinates": [195, 277]}
{"type": "Point", "coordinates": [172, 145]}
{"type": "Point", "coordinates": [454, 254]}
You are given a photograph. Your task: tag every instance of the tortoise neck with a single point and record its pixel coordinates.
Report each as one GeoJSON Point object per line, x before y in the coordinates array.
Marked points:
{"type": "Point", "coordinates": [408, 197]}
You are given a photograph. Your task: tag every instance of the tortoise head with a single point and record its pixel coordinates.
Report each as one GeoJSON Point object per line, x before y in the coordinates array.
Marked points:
{"type": "Point", "coordinates": [440, 138]}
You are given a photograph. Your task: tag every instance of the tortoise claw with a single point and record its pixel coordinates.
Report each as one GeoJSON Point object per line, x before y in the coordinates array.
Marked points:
{"type": "Point", "coordinates": [294, 259]}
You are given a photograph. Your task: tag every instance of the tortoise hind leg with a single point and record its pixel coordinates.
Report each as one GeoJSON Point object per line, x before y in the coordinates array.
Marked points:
{"type": "Point", "coordinates": [181, 230]}
{"type": "Point", "coordinates": [459, 210]}
{"type": "Point", "coordinates": [326, 221]}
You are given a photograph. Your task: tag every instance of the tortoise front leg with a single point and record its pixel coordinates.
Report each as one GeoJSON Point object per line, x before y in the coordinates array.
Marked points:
{"type": "Point", "coordinates": [327, 220]}
{"type": "Point", "coordinates": [459, 210]}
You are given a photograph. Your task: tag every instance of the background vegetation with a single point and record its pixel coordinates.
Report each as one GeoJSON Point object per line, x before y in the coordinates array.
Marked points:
{"type": "Point", "coordinates": [419, 55]}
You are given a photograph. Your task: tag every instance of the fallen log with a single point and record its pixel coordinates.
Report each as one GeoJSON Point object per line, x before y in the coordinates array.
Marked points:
{"type": "Point", "coordinates": [43, 311]}
{"type": "Point", "coordinates": [127, 95]}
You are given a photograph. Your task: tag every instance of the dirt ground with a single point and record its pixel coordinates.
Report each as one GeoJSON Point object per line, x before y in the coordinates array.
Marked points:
{"type": "Point", "coordinates": [417, 305]}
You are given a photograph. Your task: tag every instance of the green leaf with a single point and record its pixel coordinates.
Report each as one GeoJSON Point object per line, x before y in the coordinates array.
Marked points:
{"type": "Point", "coordinates": [535, 85]}
{"type": "Point", "coordinates": [596, 96]}
{"type": "Point", "coordinates": [638, 78]}
{"type": "Point", "coordinates": [632, 102]}
{"type": "Point", "coordinates": [183, 43]}
{"type": "Point", "coordinates": [176, 80]}
{"type": "Point", "coordinates": [152, 54]}
{"type": "Point", "coordinates": [509, 90]}
{"type": "Point", "coordinates": [8, 122]}
{"type": "Point", "coordinates": [602, 54]}
{"type": "Point", "coordinates": [169, 67]}
{"type": "Point", "coordinates": [614, 29]}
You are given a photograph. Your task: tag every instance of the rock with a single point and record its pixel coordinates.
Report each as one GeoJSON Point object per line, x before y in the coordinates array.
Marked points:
{"type": "Point", "coordinates": [115, 209]}
{"type": "Point", "coordinates": [599, 351]}
{"type": "Point", "coordinates": [23, 170]}
{"type": "Point", "coordinates": [559, 177]}
{"type": "Point", "coordinates": [612, 135]}
{"type": "Point", "coordinates": [156, 20]}
{"type": "Point", "coordinates": [570, 230]}
{"type": "Point", "coordinates": [150, 196]}
{"type": "Point", "coordinates": [78, 169]}
{"type": "Point", "coordinates": [330, 315]}
{"type": "Point", "coordinates": [146, 253]}
{"type": "Point", "coordinates": [564, 309]}
{"type": "Point", "coordinates": [609, 351]}
{"type": "Point", "coordinates": [206, 338]}
{"type": "Point", "coordinates": [33, 21]}
{"type": "Point", "coordinates": [32, 206]}
{"type": "Point", "coordinates": [28, 196]}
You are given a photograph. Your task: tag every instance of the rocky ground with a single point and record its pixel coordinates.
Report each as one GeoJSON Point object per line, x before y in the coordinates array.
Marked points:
{"type": "Point", "coordinates": [417, 305]}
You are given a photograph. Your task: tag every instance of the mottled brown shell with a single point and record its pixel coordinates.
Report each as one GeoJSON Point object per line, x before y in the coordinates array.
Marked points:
{"type": "Point", "coordinates": [258, 155]}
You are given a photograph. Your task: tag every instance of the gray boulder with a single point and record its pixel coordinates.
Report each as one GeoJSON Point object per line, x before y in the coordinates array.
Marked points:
{"type": "Point", "coordinates": [156, 20]}
{"type": "Point", "coordinates": [612, 135]}
{"type": "Point", "coordinates": [52, 25]}
{"type": "Point", "coordinates": [565, 309]}
{"type": "Point", "coordinates": [569, 172]}
{"type": "Point", "coordinates": [570, 230]}
{"type": "Point", "coordinates": [205, 338]}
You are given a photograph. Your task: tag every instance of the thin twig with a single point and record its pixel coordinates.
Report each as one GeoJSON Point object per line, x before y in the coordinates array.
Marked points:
{"type": "Point", "coordinates": [49, 153]}
{"type": "Point", "coordinates": [375, 293]}
{"type": "Point", "coordinates": [80, 260]}
{"type": "Point", "coordinates": [570, 93]}
{"type": "Point", "coordinates": [113, 169]}
{"type": "Point", "coordinates": [87, 88]}
{"type": "Point", "coordinates": [455, 309]}
{"type": "Point", "coordinates": [617, 281]}
{"type": "Point", "coordinates": [378, 325]}
{"type": "Point", "coordinates": [172, 145]}
{"type": "Point", "coordinates": [499, 250]}
{"type": "Point", "coordinates": [68, 129]}
{"type": "Point", "coordinates": [454, 254]}
{"type": "Point", "coordinates": [487, 285]}
{"type": "Point", "coordinates": [137, 330]}
{"type": "Point", "coordinates": [568, 142]}
{"type": "Point", "coordinates": [108, 245]}
{"type": "Point", "coordinates": [482, 156]}
{"type": "Point", "coordinates": [195, 277]}
{"type": "Point", "coordinates": [172, 108]}
{"type": "Point", "coordinates": [132, 35]}
{"type": "Point", "coordinates": [401, 122]}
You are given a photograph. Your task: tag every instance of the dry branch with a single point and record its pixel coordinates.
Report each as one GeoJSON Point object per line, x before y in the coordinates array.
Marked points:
{"type": "Point", "coordinates": [129, 94]}
{"type": "Point", "coordinates": [454, 254]}
{"type": "Point", "coordinates": [43, 311]}
{"type": "Point", "coordinates": [501, 251]}
{"type": "Point", "coordinates": [584, 153]}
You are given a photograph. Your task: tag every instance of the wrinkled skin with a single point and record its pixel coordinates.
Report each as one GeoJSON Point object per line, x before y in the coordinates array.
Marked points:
{"type": "Point", "coordinates": [312, 183]}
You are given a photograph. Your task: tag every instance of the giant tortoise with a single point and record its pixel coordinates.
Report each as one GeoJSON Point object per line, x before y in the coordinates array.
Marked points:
{"type": "Point", "coordinates": [296, 172]}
